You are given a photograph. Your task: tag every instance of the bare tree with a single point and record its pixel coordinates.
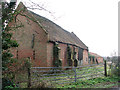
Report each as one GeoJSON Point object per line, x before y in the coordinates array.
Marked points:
{"type": "Point", "coordinates": [39, 6]}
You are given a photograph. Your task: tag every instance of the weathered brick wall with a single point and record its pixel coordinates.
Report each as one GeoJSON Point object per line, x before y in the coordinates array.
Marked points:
{"type": "Point", "coordinates": [63, 54]}
{"type": "Point", "coordinates": [42, 52]}
{"type": "Point", "coordinates": [24, 37]}
{"type": "Point", "coordinates": [85, 57]}
{"type": "Point", "coordinates": [100, 59]}
{"type": "Point", "coordinates": [76, 50]}
{"type": "Point", "coordinates": [93, 62]}
{"type": "Point", "coordinates": [50, 54]}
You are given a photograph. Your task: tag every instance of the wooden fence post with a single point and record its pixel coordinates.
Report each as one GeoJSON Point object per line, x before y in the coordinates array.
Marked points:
{"type": "Point", "coordinates": [105, 68]}
{"type": "Point", "coordinates": [29, 77]}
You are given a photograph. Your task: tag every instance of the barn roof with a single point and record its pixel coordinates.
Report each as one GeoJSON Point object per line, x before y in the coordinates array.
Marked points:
{"type": "Point", "coordinates": [57, 33]}
{"type": "Point", "coordinates": [94, 54]}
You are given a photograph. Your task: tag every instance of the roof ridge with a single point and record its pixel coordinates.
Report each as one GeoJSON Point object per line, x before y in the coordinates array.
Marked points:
{"type": "Point", "coordinates": [57, 33]}
{"type": "Point", "coordinates": [35, 20]}
{"type": "Point", "coordinates": [49, 20]}
{"type": "Point", "coordinates": [95, 54]}
{"type": "Point", "coordinates": [78, 38]}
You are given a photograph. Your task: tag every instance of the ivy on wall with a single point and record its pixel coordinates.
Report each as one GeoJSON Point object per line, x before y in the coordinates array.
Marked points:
{"type": "Point", "coordinates": [56, 50]}
{"type": "Point", "coordinates": [74, 57]}
{"type": "Point", "coordinates": [74, 54]}
{"type": "Point", "coordinates": [69, 56]}
{"type": "Point", "coordinates": [75, 62]}
{"type": "Point", "coordinates": [97, 61]}
{"type": "Point", "coordinates": [91, 57]}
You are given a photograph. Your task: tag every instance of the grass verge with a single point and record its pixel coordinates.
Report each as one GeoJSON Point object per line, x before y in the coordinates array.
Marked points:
{"type": "Point", "coordinates": [103, 82]}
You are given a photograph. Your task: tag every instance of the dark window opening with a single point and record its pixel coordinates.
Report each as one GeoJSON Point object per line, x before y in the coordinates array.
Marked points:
{"type": "Point", "coordinates": [93, 60]}
{"type": "Point", "coordinates": [70, 62]}
{"type": "Point", "coordinates": [33, 39]}
{"type": "Point", "coordinates": [80, 54]}
{"type": "Point", "coordinates": [56, 52]}
{"type": "Point", "coordinates": [34, 54]}
{"type": "Point", "coordinates": [97, 61]}
{"type": "Point", "coordinates": [17, 54]}
{"type": "Point", "coordinates": [69, 56]}
{"type": "Point", "coordinates": [74, 54]}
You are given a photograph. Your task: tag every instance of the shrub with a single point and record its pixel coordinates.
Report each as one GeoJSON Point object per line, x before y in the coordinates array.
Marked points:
{"type": "Point", "coordinates": [114, 66]}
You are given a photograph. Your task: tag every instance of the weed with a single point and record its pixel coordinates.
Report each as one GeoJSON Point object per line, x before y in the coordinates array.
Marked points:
{"type": "Point", "coordinates": [105, 82]}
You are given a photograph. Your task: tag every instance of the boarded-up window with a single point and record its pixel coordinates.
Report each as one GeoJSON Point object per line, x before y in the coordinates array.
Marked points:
{"type": "Point", "coordinates": [80, 54]}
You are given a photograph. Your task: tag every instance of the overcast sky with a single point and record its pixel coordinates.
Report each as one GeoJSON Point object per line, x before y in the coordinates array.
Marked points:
{"type": "Point", "coordinates": [95, 22]}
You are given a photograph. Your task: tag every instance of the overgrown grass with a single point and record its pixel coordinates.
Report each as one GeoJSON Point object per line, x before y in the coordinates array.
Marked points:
{"type": "Point", "coordinates": [99, 82]}
{"type": "Point", "coordinates": [103, 82]}
{"type": "Point", "coordinates": [69, 75]}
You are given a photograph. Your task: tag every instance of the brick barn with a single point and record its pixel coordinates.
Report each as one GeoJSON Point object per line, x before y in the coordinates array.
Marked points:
{"type": "Point", "coordinates": [95, 58]}
{"type": "Point", "coordinates": [38, 37]}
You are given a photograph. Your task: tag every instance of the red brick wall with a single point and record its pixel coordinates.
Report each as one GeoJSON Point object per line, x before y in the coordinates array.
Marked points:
{"type": "Point", "coordinates": [94, 61]}
{"type": "Point", "coordinates": [100, 60]}
{"type": "Point", "coordinates": [43, 49]}
{"type": "Point", "coordinates": [63, 54]}
{"type": "Point", "coordinates": [76, 50]}
{"type": "Point", "coordinates": [85, 57]}
{"type": "Point", "coordinates": [24, 37]}
{"type": "Point", "coordinates": [50, 54]}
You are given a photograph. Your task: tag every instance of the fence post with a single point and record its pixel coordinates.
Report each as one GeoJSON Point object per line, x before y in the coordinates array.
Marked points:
{"type": "Point", "coordinates": [29, 77]}
{"type": "Point", "coordinates": [105, 68]}
{"type": "Point", "coordinates": [75, 74]}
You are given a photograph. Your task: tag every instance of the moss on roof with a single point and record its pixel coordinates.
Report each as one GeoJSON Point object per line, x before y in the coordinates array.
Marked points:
{"type": "Point", "coordinates": [57, 33]}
